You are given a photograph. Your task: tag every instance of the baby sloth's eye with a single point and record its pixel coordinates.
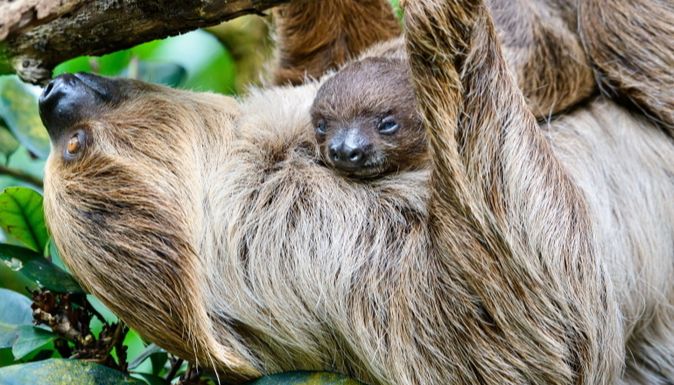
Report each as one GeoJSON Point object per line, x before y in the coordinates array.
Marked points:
{"type": "Point", "coordinates": [75, 144]}
{"type": "Point", "coordinates": [320, 127]}
{"type": "Point", "coordinates": [388, 125]}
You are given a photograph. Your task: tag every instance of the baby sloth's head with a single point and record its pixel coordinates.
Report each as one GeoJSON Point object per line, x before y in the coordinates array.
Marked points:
{"type": "Point", "coordinates": [366, 119]}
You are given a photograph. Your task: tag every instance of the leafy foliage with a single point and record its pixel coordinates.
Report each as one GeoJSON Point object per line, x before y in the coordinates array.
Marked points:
{"type": "Point", "coordinates": [21, 217]}
{"type": "Point", "coordinates": [18, 108]}
{"type": "Point", "coordinates": [62, 372]}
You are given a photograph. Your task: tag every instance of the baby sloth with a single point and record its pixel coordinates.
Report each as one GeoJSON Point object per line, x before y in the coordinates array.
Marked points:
{"type": "Point", "coordinates": [366, 120]}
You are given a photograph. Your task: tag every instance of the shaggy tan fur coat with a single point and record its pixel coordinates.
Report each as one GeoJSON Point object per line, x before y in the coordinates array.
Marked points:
{"type": "Point", "coordinates": [525, 254]}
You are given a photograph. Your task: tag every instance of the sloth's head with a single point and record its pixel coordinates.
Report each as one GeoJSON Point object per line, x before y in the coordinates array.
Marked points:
{"type": "Point", "coordinates": [120, 185]}
{"type": "Point", "coordinates": [167, 204]}
{"type": "Point", "coordinates": [366, 120]}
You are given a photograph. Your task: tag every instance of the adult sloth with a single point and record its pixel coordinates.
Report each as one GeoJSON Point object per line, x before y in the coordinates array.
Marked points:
{"type": "Point", "coordinates": [526, 257]}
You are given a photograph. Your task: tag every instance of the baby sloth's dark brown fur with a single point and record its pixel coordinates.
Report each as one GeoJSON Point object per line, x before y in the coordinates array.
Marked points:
{"type": "Point", "coordinates": [366, 120]}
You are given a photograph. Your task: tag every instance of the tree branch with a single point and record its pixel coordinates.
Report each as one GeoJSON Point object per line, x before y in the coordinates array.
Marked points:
{"type": "Point", "coordinates": [39, 34]}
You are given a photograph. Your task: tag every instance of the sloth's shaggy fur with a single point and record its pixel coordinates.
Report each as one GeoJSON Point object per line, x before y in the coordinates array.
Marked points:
{"type": "Point", "coordinates": [525, 254]}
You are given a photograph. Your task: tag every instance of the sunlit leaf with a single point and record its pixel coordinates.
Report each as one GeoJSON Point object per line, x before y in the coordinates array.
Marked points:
{"type": "Point", "coordinates": [38, 269]}
{"type": "Point", "coordinates": [18, 107]}
{"type": "Point", "coordinates": [62, 372]}
{"type": "Point", "coordinates": [305, 378]}
{"type": "Point", "coordinates": [22, 217]}
{"type": "Point", "coordinates": [108, 65]}
{"type": "Point", "coordinates": [209, 66]}
{"type": "Point", "coordinates": [30, 339]}
{"type": "Point", "coordinates": [168, 74]}
{"type": "Point", "coordinates": [113, 64]}
{"type": "Point", "coordinates": [144, 355]}
{"type": "Point", "coordinates": [79, 64]}
{"type": "Point", "coordinates": [135, 346]}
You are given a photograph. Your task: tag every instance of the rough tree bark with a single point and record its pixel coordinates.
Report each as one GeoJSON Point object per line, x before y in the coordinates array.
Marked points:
{"type": "Point", "coordinates": [36, 35]}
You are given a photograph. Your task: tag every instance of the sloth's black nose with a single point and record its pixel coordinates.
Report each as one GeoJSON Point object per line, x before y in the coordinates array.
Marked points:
{"type": "Point", "coordinates": [69, 99]}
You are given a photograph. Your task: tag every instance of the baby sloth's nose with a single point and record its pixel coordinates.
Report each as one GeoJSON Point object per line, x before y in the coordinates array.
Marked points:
{"type": "Point", "coordinates": [349, 151]}
{"type": "Point", "coordinates": [69, 99]}
{"type": "Point", "coordinates": [346, 155]}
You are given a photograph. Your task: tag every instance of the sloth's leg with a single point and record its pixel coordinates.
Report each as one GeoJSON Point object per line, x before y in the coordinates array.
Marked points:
{"type": "Point", "coordinates": [631, 45]}
{"type": "Point", "coordinates": [506, 219]}
{"type": "Point", "coordinates": [315, 36]}
{"type": "Point", "coordinates": [544, 52]}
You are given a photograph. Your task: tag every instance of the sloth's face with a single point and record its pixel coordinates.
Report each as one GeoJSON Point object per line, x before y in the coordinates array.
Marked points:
{"type": "Point", "coordinates": [369, 145]}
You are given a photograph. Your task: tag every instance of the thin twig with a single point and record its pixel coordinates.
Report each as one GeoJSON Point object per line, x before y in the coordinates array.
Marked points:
{"type": "Point", "coordinates": [175, 366]}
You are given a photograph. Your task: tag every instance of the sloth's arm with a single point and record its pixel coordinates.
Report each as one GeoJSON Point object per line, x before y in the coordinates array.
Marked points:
{"type": "Point", "coordinates": [504, 214]}
{"type": "Point", "coordinates": [544, 52]}
{"type": "Point", "coordinates": [631, 45]}
{"type": "Point", "coordinates": [314, 36]}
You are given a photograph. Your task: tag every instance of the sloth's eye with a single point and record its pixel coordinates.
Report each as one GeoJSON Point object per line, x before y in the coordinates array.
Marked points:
{"type": "Point", "coordinates": [75, 144]}
{"type": "Point", "coordinates": [388, 126]}
{"type": "Point", "coordinates": [320, 127]}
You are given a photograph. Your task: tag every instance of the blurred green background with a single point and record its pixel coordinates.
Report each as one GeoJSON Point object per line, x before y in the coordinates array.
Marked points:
{"type": "Point", "coordinates": [34, 283]}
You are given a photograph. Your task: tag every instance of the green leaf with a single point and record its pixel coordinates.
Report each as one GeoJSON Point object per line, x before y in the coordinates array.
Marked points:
{"type": "Point", "coordinates": [305, 378]}
{"type": "Point", "coordinates": [54, 256]}
{"type": "Point", "coordinates": [109, 316]}
{"type": "Point", "coordinates": [6, 357]}
{"type": "Point", "coordinates": [113, 64]}
{"type": "Point", "coordinates": [134, 347]}
{"type": "Point", "coordinates": [209, 65]}
{"type": "Point", "coordinates": [22, 160]}
{"type": "Point", "coordinates": [18, 107]}
{"type": "Point", "coordinates": [63, 372]}
{"type": "Point", "coordinates": [22, 217]}
{"type": "Point", "coordinates": [14, 281]}
{"type": "Point", "coordinates": [5, 61]}
{"type": "Point", "coordinates": [145, 354]}
{"type": "Point", "coordinates": [8, 143]}
{"type": "Point", "coordinates": [15, 308]}
{"type": "Point", "coordinates": [15, 312]}
{"type": "Point", "coordinates": [150, 379]}
{"type": "Point", "coordinates": [158, 362]}
{"type": "Point", "coordinates": [38, 269]}
{"type": "Point", "coordinates": [108, 65]}
{"type": "Point", "coordinates": [169, 74]}
{"type": "Point", "coordinates": [79, 64]}
{"type": "Point", "coordinates": [30, 339]}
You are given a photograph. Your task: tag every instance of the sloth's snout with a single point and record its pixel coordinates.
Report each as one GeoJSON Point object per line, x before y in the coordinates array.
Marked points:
{"type": "Point", "coordinates": [69, 99]}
